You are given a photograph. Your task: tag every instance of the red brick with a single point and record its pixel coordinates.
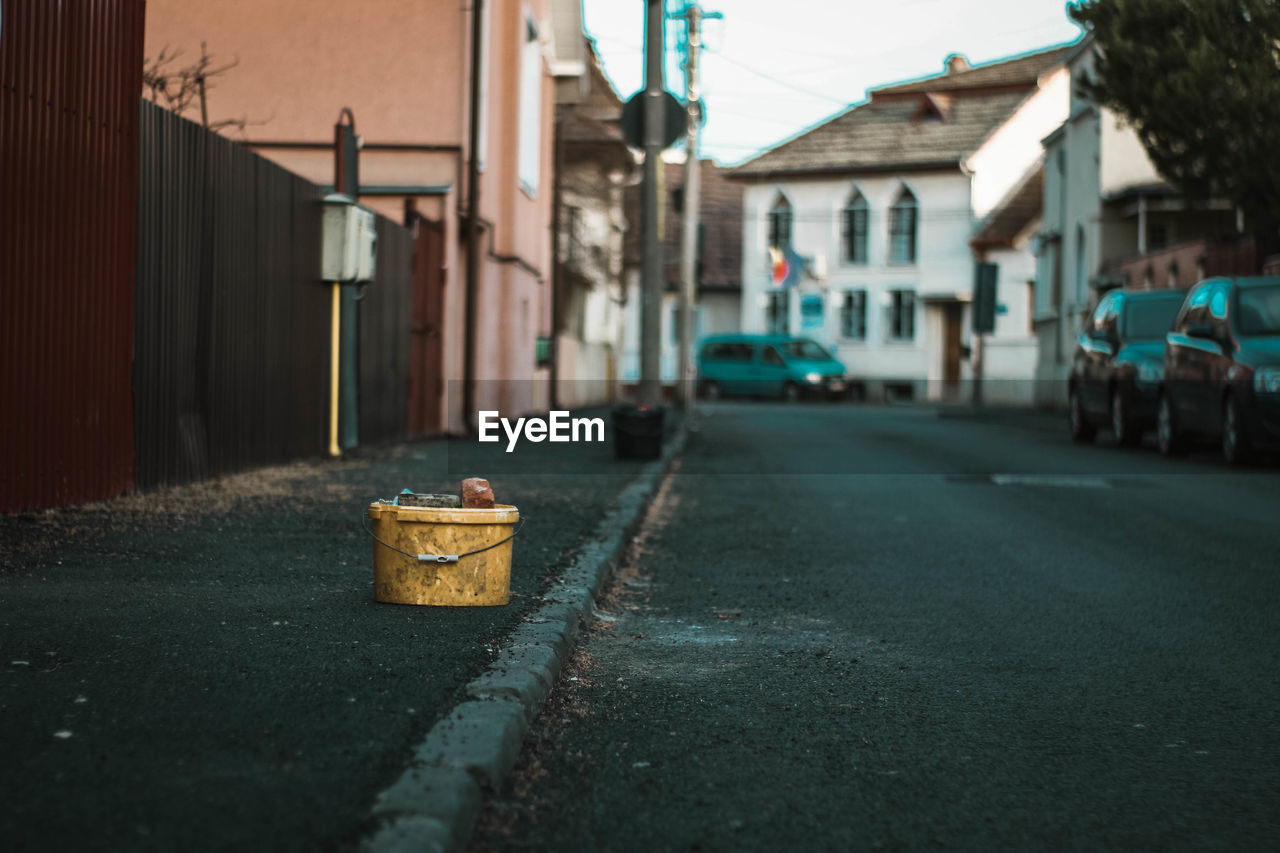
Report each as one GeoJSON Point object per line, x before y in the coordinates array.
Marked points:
{"type": "Point", "coordinates": [476, 494]}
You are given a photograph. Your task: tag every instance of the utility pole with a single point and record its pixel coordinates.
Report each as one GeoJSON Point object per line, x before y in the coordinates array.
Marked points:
{"type": "Point", "coordinates": [685, 391]}
{"type": "Point", "coordinates": [651, 267]}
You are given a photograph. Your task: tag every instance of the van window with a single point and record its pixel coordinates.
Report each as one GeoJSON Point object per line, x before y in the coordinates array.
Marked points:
{"type": "Point", "coordinates": [806, 350]}
{"type": "Point", "coordinates": [770, 356]}
{"type": "Point", "coordinates": [727, 352]}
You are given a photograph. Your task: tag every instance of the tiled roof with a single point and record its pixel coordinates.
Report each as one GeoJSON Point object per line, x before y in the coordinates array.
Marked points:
{"type": "Point", "coordinates": [720, 215]}
{"type": "Point", "coordinates": [1014, 214]}
{"type": "Point", "coordinates": [598, 117]}
{"type": "Point", "coordinates": [1022, 71]}
{"type": "Point", "coordinates": [884, 134]}
{"type": "Point", "coordinates": [899, 127]}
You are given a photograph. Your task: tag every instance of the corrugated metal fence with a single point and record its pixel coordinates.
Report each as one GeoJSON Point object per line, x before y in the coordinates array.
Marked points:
{"type": "Point", "coordinates": [231, 362]}
{"type": "Point", "coordinates": [385, 315]}
{"type": "Point", "coordinates": [69, 80]}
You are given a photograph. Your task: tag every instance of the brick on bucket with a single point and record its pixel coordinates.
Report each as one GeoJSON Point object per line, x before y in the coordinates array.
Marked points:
{"type": "Point", "coordinates": [476, 494]}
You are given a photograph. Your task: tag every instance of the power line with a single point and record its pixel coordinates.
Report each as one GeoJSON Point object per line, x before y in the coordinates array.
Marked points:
{"type": "Point", "coordinates": [775, 80]}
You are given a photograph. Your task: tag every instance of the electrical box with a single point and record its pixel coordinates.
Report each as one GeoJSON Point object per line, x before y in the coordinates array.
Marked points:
{"type": "Point", "coordinates": [348, 241]}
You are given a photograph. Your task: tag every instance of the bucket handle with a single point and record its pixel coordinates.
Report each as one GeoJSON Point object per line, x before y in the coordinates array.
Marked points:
{"type": "Point", "coordinates": [440, 558]}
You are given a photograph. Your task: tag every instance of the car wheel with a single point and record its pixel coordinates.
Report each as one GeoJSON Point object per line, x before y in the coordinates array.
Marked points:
{"type": "Point", "coordinates": [1081, 430]}
{"type": "Point", "coordinates": [790, 392]}
{"type": "Point", "coordinates": [1236, 446]}
{"type": "Point", "coordinates": [1127, 434]}
{"type": "Point", "coordinates": [1172, 442]}
{"type": "Point", "coordinates": [710, 390]}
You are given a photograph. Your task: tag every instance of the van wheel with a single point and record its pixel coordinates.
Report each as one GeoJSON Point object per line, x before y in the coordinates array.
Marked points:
{"type": "Point", "coordinates": [1172, 442]}
{"type": "Point", "coordinates": [1082, 431]}
{"type": "Point", "coordinates": [1237, 449]}
{"type": "Point", "coordinates": [790, 392]}
{"type": "Point", "coordinates": [710, 390]}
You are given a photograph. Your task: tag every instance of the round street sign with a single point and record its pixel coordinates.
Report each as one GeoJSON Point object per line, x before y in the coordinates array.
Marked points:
{"type": "Point", "coordinates": [677, 119]}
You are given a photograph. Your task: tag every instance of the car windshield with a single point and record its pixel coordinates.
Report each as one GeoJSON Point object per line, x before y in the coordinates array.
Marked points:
{"type": "Point", "coordinates": [1258, 310]}
{"type": "Point", "coordinates": [804, 349]}
{"type": "Point", "coordinates": [1150, 318]}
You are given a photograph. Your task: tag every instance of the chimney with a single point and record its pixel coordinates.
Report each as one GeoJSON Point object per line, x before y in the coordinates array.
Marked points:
{"type": "Point", "coordinates": [957, 62]}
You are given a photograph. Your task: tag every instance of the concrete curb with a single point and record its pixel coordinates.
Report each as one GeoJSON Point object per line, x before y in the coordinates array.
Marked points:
{"type": "Point", "coordinates": [434, 804]}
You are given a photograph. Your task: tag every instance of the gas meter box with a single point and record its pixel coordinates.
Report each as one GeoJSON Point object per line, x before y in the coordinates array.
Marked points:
{"type": "Point", "coordinates": [349, 239]}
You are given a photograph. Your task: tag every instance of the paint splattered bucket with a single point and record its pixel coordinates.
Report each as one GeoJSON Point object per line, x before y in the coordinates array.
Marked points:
{"type": "Point", "coordinates": [442, 556]}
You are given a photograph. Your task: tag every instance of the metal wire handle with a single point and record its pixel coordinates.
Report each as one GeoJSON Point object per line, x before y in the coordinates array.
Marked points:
{"type": "Point", "coordinates": [439, 558]}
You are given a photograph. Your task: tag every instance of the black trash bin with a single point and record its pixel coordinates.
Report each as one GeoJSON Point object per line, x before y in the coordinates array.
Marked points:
{"type": "Point", "coordinates": [637, 432]}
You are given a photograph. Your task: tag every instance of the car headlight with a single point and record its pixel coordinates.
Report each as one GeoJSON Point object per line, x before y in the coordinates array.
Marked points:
{"type": "Point", "coordinates": [1266, 380]}
{"type": "Point", "coordinates": [1150, 371]}
{"type": "Point", "coordinates": [813, 378]}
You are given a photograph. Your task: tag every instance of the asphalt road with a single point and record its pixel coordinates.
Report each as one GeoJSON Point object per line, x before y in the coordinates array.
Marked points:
{"type": "Point", "coordinates": [850, 628]}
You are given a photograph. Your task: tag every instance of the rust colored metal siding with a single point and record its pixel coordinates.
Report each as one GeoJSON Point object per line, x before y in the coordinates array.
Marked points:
{"type": "Point", "coordinates": [70, 73]}
{"type": "Point", "coordinates": [232, 343]}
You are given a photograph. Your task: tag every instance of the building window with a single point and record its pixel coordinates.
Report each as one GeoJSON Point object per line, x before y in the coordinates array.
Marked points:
{"type": "Point", "coordinates": [902, 315]}
{"type": "Point", "coordinates": [903, 216]}
{"type": "Point", "coordinates": [777, 314]}
{"type": "Point", "coordinates": [854, 229]}
{"type": "Point", "coordinates": [780, 219]}
{"type": "Point", "coordinates": [853, 315]}
{"type": "Point", "coordinates": [530, 153]}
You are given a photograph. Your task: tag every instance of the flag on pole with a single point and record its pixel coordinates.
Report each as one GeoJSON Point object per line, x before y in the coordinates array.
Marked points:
{"type": "Point", "coordinates": [785, 267]}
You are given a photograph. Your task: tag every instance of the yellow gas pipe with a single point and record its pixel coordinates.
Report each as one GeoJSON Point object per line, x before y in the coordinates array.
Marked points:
{"type": "Point", "coordinates": [335, 341]}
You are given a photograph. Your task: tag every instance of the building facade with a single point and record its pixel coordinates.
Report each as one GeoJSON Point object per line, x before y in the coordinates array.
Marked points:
{"type": "Point", "coordinates": [594, 167]}
{"type": "Point", "coordinates": [877, 208]}
{"type": "Point", "coordinates": [1105, 210]}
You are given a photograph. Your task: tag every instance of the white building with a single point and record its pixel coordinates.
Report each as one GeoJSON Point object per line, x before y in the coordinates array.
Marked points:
{"type": "Point", "coordinates": [1104, 204]}
{"type": "Point", "coordinates": [885, 199]}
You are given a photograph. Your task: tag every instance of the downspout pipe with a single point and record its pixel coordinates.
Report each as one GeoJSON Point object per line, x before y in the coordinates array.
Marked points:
{"type": "Point", "coordinates": [473, 224]}
{"type": "Point", "coordinates": [557, 273]}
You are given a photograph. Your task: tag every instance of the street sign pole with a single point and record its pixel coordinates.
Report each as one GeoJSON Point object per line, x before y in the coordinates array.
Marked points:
{"type": "Point", "coordinates": [984, 319]}
{"type": "Point", "coordinates": [692, 195]}
{"type": "Point", "coordinates": [651, 268]}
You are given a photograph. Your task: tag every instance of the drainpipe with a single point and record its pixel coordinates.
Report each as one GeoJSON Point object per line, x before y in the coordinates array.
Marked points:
{"type": "Point", "coordinates": [473, 225]}
{"type": "Point", "coordinates": [557, 273]}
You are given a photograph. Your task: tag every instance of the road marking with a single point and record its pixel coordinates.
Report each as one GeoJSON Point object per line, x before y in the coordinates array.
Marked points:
{"type": "Point", "coordinates": [1057, 480]}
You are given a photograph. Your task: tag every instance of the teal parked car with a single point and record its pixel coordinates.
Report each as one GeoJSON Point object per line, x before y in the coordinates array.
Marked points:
{"type": "Point", "coordinates": [768, 366]}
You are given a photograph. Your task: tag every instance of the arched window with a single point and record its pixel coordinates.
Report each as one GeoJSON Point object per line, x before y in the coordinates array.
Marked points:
{"type": "Point", "coordinates": [780, 218]}
{"type": "Point", "coordinates": [903, 215]}
{"type": "Point", "coordinates": [853, 227]}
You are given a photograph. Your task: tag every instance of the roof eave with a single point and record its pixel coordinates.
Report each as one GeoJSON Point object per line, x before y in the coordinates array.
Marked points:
{"type": "Point", "coordinates": [879, 168]}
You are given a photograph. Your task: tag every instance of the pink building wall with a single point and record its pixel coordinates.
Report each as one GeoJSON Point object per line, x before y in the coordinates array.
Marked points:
{"type": "Point", "coordinates": [402, 66]}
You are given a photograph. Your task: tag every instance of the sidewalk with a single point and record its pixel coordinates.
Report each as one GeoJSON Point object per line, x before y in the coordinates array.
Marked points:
{"type": "Point", "coordinates": [206, 667]}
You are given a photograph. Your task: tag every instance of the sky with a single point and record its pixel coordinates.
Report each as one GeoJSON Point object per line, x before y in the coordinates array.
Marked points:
{"type": "Point", "coordinates": [772, 69]}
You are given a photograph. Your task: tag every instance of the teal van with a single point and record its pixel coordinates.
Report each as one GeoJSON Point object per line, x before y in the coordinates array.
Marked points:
{"type": "Point", "coordinates": [767, 366]}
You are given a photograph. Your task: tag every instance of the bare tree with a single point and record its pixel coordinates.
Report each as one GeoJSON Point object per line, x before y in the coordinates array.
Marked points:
{"type": "Point", "coordinates": [180, 87]}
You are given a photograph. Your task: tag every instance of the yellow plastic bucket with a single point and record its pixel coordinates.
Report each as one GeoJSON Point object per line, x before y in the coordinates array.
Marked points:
{"type": "Point", "coordinates": [445, 557]}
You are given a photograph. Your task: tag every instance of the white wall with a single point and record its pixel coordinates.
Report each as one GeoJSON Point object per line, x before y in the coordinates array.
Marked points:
{"type": "Point", "coordinates": [716, 313]}
{"type": "Point", "coordinates": [1013, 149]}
{"type": "Point", "coordinates": [944, 262]}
